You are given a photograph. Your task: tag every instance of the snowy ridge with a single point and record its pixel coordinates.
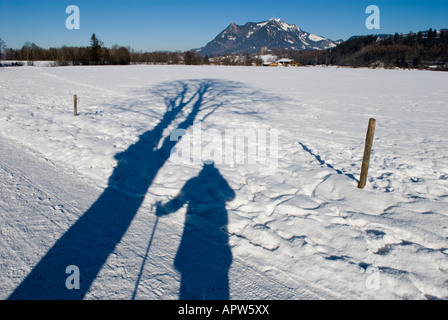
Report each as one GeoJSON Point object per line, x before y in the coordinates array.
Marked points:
{"type": "Point", "coordinates": [282, 24]}
{"type": "Point", "coordinates": [273, 34]}
{"type": "Point", "coordinates": [302, 232]}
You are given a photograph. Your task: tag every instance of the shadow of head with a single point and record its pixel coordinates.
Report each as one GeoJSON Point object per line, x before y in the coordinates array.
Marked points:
{"type": "Point", "coordinates": [209, 187]}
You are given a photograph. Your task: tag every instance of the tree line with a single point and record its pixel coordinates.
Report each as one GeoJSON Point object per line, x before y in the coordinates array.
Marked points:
{"type": "Point", "coordinates": [95, 54]}
{"type": "Point", "coordinates": [98, 54]}
{"type": "Point", "coordinates": [414, 50]}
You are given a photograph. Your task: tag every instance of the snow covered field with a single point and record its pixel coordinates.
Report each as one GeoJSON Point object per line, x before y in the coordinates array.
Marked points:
{"type": "Point", "coordinates": [85, 190]}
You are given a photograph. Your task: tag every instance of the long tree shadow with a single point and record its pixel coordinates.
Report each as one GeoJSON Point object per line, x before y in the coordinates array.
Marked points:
{"type": "Point", "coordinates": [90, 240]}
{"type": "Point", "coordinates": [323, 163]}
{"type": "Point", "coordinates": [204, 255]}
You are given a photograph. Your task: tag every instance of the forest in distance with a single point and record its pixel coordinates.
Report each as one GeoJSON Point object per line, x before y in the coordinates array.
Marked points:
{"type": "Point", "coordinates": [422, 50]}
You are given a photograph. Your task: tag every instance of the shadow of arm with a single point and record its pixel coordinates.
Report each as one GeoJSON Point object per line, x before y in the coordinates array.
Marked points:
{"type": "Point", "coordinates": [170, 207]}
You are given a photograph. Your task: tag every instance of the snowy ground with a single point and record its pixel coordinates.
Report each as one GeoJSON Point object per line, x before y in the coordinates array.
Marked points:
{"type": "Point", "coordinates": [84, 190]}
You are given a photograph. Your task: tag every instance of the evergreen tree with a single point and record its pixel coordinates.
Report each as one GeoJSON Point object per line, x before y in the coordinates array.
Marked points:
{"type": "Point", "coordinates": [420, 37]}
{"type": "Point", "coordinates": [96, 50]}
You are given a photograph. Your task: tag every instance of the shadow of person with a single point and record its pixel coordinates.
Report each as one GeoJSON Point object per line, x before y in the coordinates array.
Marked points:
{"type": "Point", "coordinates": [90, 240]}
{"type": "Point", "coordinates": [204, 256]}
{"type": "Point", "coordinates": [93, 237]}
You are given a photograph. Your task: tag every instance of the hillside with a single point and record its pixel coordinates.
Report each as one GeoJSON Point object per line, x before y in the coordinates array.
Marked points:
{"type": "Point", "coordinates": [415, 50]}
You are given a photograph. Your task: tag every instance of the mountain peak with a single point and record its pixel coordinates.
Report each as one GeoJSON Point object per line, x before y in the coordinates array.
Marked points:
{"type": "Point", "coordinates": [273, 34]}
{"type": "Point", "coordinates": [280, 23]}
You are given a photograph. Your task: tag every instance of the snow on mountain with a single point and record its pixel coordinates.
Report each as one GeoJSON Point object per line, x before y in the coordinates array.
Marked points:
{"type": "Point", "coordinates": [273, 34]}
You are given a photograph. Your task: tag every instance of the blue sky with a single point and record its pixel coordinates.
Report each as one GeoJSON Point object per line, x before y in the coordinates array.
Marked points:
{"type": "Point", "coordinates": [186, 24]}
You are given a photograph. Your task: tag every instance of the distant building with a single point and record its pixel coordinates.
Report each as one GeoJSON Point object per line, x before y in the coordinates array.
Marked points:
{"type": "Point", "coordinates": [286, 62]}
{"type": "Point", "coordinates": [281, 62]}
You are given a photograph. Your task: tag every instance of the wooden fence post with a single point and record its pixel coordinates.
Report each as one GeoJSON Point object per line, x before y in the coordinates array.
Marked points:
{"type": "Point", "coordinates": [76, 105]}
{"type": "Point", "coordinates": [367, 150]}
